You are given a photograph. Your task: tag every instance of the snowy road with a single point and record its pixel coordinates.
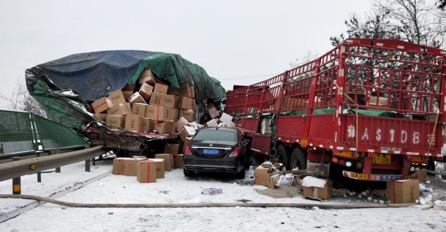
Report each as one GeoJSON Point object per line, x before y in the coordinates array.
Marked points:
{"type": "Point", "coordinates": [175, 188]}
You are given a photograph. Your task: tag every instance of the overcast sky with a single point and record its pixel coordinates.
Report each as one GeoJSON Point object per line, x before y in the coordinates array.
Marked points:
{"type": "Point", "coordinates": [237, 42]}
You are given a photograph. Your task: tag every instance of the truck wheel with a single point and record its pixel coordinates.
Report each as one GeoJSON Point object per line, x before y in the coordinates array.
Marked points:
{"type": "Point", "coordinates": [298, 159]}
{"type": "Point", "coordinates": [282, 155]}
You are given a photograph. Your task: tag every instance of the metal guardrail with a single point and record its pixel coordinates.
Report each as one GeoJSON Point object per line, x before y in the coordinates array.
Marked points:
{"type": "Point", "coordinates": [19, 168]}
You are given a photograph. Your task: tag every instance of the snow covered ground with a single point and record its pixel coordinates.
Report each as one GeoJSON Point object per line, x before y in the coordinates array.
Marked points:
{"type": "Point", "coordinates": [100, 186]}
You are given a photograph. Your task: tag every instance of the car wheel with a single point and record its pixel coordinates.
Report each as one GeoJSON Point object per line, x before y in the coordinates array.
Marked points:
{"type": "Point", "coordinates": [298, 159]}
{"type": "Point", "coordinates": [282, 155]}
{"type": "Point", "coordinates": [188, 173]}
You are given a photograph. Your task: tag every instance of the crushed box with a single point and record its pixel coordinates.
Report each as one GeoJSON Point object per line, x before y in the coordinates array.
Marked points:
{"type": "Point", "coordinates": [316, 188]}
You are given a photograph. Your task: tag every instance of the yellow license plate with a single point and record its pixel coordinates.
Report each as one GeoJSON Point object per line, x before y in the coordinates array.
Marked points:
{"type": "Point", "coordinates": [359, 176]}
{"type": "Point", "coordinates": [381, 159]}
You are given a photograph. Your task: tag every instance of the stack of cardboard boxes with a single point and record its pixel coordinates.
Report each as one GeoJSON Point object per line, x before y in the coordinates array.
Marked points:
{"type": "Point", "coordinates": [147, 170]}
{"type": "Point", "coordinates": [153, 107]}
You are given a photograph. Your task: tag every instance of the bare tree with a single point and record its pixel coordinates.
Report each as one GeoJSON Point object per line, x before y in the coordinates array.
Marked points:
{"type": "Point", "coordinates": [409, 20]}
{"type": "Point", "coordinates": [304, 59]}
{"type": "Point", "coordinates": [21, 100]}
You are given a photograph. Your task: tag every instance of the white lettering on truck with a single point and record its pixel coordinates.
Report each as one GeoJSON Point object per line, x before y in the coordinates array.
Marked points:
{"type": "Point", "coordinates": [404, 135]}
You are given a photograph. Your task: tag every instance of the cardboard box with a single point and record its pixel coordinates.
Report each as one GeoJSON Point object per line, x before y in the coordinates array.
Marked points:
{"type": "Point", "coordinates": [186, 103]}
{"type": "Point", "coordinates": [421, 175]}
{"type": "Point", "coordinates": [118, 166]}
{"type": "Point", "coordinates": [161, 88]}
{"type": "Point", "coordinates": [211, 123]}
{"type": "Point", "coordinates": [139, 109]}
{"type": "Point", "coordinates": [186, 90]}
{"type": "Point", "coordinates": [226, 118]}
{"type": "Point", "coordinates": [403, 191]}
{"type": "Point", "coordinates": [160, 167]}
{"type": "Point", "coordinates": [116, 121]}
{"type": "Point", "coordinates": [181, 123]}
{"type": "Point", "coordinates": [155, 98]}
{"type": "Point", "coordinates": [161, 113]}
{"type": "Point", "coordinates": [168, 100]}
{"type": "Point", "coordinates": [118, 109]}
{"type": "Point", "coordinates": [146, 171]}
{"type": "Point", "coordinates": [101, 116]}
{"type": "Point", "coordinates": [101, 105]}
{"type": "Point", "coordinates": [168, 160]}
{"type": "Point", "coordinates": [164, 127]}
{"type": "Point", "coordinates": [134, 122]}
{"type": "Point", "coordinates": [262, 175]}
{"type": "Point", "coordinates": [316, 188]}
{"type": "Point", "coordinates": [172, 148]}
{"type": "Point", "coordinates": [378, 101]}
{"type": "Point", "coordinates": [130, 166]}
{"type": "Point", "coordinates": [136, 98]}
{"type": "Point", "coordinates": [148, 125]}
{"type": "Point", "coordinates": [189, 115]}
{"type": "Point", "coordinates": [129, 87]}
{"type": "Point", "coordinates": [145, 91]}
{"type": "Point", "coordinates": [172, 91]}
{"type": "Point", "coordinates": [127, 94]}
{"type": "Point", "coordinates": [178, 161]}
{"type": "Point", "coordinates": [186, 132]}
{"type": "Point", "coordinates": [117, 97]}
{"type": "Point", "coordinates": [147, 77]}
{"type": "Point", "coordinates": [213, 112]}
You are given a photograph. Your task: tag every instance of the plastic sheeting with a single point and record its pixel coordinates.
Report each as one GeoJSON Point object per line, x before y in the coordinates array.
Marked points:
{"type": "Point", "coordinates": [64, 87]}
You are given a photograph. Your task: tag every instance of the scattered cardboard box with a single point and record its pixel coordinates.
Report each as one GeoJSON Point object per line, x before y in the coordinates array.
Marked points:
{"type": "Point", "coordinates": [146, 171]}
{"type": "Point", "coordinates": [403, 191]}
{"type": "Point", "coordinates": [178, 161]}
{"type": "Point", "coordinates": [262, 175]}
{"type": "Point", "coordinates": [186, 132]}
{"type": "Point", "coordinates": [213, 112]}
{"type": "Point", "coordinates": [172, 148]}
{"type": "Point", "coordinates": [136, 98]}
{"type": "Point", "coordinates": [101, 105]}
{"type": "Point", "coordinates": [161, 88]}
{"type": "Point", "coordinates": [316, 188]}
{"type": "Point", "coordinates": [118, 166]}
{"type": "Point", "coordinates": [130, 166]}
{"type": "Point", "coordinates": [211, 123]}
{"type": "Point", "coordinates": [168, 160]}
{"type": "Point", "coordinates": [147, 77]}
{"type": "Point", "coordinates": [226, 118]}
{"type": "Point", "coordinates": [145, 91]}
{"type": "Point", "coordinates": [117, 97]}
{"type": "Point", "coordinates": [116, 120]}
{"type": "Point", "coordinates": [134, 122]}
{"type": "Point", "coordinates": [160, 167]}
{"type": "Point", "coordinates": [181, 123]}
{"type": "Point", "coordinates": [189, 115]}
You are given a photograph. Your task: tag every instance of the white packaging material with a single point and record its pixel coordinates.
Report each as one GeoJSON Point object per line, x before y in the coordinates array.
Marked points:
{"type": "Point", "coordinates": [310, 181]}
{"type": "Point", "coordinates": [211, 191]}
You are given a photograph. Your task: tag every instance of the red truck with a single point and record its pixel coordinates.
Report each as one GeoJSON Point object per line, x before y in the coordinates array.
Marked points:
{"type": "Point", "coordinates": [372, 109]}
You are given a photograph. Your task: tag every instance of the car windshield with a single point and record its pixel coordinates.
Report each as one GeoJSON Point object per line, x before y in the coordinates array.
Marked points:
{"type": "Point", "coordinates": [216, 135]}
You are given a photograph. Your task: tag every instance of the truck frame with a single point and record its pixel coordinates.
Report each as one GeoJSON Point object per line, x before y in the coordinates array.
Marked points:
{"type": "Point", "coordinates": [371, 108]}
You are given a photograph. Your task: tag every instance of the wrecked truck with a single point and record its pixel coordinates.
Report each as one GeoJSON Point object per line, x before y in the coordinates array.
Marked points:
{"type": "Point", "coordinates": [67, 89]}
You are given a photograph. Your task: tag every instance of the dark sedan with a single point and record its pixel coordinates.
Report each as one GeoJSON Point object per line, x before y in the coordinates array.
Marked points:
{"type": "Point", "coordinates": [216, 149]}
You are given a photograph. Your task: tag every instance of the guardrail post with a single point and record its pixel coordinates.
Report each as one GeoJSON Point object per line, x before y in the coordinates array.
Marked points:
{"type": "Point", "coordinates": [52, 153]}
{"type": "Point", "coordinates": [87, 165]}
{"type": "Point", "coordinates": [16, 183]}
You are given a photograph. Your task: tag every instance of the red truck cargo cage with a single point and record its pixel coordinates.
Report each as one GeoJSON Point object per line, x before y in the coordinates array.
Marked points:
{"type": "Point", "coordinates": [372, 108]}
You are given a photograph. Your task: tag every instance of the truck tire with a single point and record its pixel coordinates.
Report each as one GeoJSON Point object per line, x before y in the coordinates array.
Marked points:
{"type": "Point", "coordinates": [298, 159]}
{"type": "Point", "coordinates": [282, 155]}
